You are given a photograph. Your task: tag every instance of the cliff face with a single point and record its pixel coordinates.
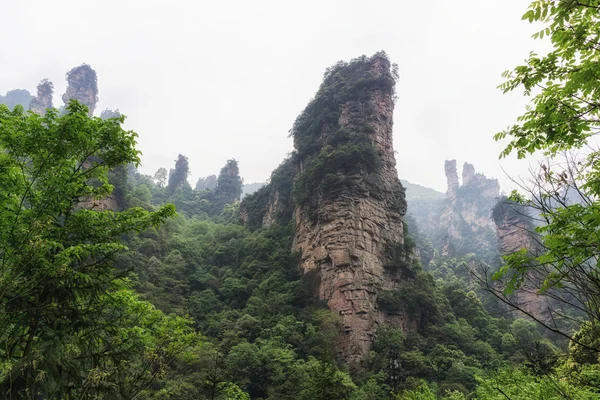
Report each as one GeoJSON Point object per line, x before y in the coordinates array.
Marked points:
{"type": "Point", "coordinates": [513, 233]}
{"type": "Point", "coordinates": [344, 230]}
{"type": "Point", "coordinates": [82, 86]}
{"type": "Point", "coordinates": [43, 100]}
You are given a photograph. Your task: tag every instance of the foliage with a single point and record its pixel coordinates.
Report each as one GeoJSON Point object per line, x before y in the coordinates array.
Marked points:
{"type": "Point", "coordinates": [416, 193]}
{"type": "Point", "coordinates": [520, 384]}
{"type": "Point", "coordinates": [160, 177]}
{"type": "Point", "coordinates": [279, 187]}
{"type": "Point", "coordinates": [229, 186]}
{"type": "Point", "coordinates": [82, 318]}
{"type": "Point", "coordinates": [563, 116]}
{"type": "Point", "coordinates": [70, 325]}
{"type": "Point", "coordinates": [341, 83]}
{"type": "Point", "coordinates": [334, 158]}
{"type": "Point", "coordinates": [179, 175]}
{"type": "Point", "coordinates": [565, 111]}
{"type": "Point", "coordinates": [457, 338]}
{"type": "Point", "coordinates": [415, 298]}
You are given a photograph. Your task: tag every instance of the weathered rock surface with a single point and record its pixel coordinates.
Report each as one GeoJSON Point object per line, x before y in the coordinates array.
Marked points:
{"type": "Point", "coordinates": [344, 241]}
{"type": "Point", "coordinates": [82, 86]}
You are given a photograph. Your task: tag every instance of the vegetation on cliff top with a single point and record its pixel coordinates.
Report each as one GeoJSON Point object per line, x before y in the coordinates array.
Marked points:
{"type": "Point", "coordinates": [333, 158]}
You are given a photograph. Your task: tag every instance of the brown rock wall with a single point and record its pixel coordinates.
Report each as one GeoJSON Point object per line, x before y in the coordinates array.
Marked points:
{"type": "Point", "coordinates": [344, 242]}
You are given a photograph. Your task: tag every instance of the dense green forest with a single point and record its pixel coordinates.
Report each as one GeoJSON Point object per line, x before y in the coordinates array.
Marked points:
{"type": "Point", "coordinates": [120, 285]}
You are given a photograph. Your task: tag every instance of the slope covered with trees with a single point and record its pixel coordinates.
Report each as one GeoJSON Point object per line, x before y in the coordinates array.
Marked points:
{"type": "Point", "coordinates": [188, 293]}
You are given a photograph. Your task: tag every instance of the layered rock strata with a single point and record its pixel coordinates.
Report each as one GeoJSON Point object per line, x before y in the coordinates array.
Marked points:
{"type": "Point", "coordinates": [344, 239]}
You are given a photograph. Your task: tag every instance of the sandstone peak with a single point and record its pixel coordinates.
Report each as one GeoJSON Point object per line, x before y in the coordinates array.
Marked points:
{"type": "Point", "coordinates": [82, 86]}
{"type": "Point", "coordinates": [468, 174]}
{"type": "Point", "coordinates": [341, 188]}
{"type": "Point", "coordinates": [349, 200]}
{"type": "Point", "coordinates": [451, 177]}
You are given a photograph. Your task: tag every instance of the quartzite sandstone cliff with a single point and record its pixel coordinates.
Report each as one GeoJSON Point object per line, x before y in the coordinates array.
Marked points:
{"type": "Point", "coordinates": [344, 239]}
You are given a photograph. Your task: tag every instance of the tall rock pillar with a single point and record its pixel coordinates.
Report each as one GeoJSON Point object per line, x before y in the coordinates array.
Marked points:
{"type": "Point", "coordinates": [82, 86]}
{"type": "Point", "coordinates": [349, 201]}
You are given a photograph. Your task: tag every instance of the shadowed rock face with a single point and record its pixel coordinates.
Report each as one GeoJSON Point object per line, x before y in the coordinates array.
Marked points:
{"type": "Point", "coordinates": [343, 239]}
{"type": "Point", "coordinates": [43, 100]}
{"type": "Point", "coordinates": [82, 86]}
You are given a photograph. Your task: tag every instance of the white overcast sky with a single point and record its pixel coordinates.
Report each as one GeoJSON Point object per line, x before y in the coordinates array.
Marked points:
{"type": "Point", "coordinates": [225, 79]}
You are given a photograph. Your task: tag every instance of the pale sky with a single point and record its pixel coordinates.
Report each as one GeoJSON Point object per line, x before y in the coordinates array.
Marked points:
{"type": "Point", "coordinates": [226, 79]}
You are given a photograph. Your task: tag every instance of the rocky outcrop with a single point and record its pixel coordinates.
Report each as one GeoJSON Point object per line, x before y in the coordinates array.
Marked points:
{"type": "Point", "coordinates": [466, 226]}
{"type": "Point", "coordinates": [82, 86]}
{"type": "Point", "coordinates": [514, 233]}
{"type": "Point", "coordinates": [344, 233]}
{"type": "Point", "coordinates": [451, 178]}
{"type": "Point", "coordinates": [43, 100]}
{"type": "Point", "coordinates": [468, 174]}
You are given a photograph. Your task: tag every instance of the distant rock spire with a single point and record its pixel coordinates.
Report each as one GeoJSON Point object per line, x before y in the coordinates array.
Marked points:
{"type": "Point", "coordinates": [451, 178]}
{"type": "Point", "coordinates": [468, 174]}
{"type": "Point", "coordinates": [83, 87]}
{"type": "Point", "coordinates": [43, 100]}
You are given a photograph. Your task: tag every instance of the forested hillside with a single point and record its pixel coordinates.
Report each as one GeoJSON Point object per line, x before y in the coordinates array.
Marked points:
{"type": "Point", "coordinates": [333, 280]}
